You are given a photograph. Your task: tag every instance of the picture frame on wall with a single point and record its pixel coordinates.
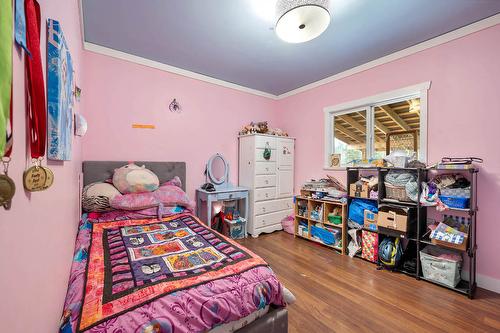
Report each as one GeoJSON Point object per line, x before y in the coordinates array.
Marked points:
{"type": "Point", "coordinates": [335, 160]}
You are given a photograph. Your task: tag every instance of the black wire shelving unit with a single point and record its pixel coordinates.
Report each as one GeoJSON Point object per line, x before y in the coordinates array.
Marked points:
{"type": "Point", "coordinates": [419, 235]}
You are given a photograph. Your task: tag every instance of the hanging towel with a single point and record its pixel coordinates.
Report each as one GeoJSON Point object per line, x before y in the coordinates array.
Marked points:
{"type": "Point", "coordinates": [5, 68]}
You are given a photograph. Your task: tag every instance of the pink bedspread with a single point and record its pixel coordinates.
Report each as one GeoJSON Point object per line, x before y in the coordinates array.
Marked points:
{"type": "Point", "coordinates": [226, 282]}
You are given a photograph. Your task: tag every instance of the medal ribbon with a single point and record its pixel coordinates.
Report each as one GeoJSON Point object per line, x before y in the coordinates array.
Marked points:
{"type": "Point", "coordinates": [9, 133]}
{"type": "Point", "coordinates": [20, 26]}
{"type": "Point", "coordinates": [5, 69]}
{"type": "Point", "coordinates": [36, 108]}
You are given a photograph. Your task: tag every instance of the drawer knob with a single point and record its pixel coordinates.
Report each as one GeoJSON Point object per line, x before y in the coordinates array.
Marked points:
{"type": "Point", "coordinates": [267, 169]}
{"type": "Point", "coordinates": [263, 209]}
{"type": "Point", "coordinates": [267, 181]}
{"type": "Point", "coordinates": [267, 195]}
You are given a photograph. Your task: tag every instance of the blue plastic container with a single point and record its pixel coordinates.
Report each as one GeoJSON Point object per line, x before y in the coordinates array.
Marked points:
{"type": "Point", "coordinates": [455, 202]}
{"type": "Point", "coordinates": [325, 236]}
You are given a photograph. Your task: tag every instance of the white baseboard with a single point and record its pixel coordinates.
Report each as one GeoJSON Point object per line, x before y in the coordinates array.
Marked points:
{"type": "Point", "coordinates": [485, 282]}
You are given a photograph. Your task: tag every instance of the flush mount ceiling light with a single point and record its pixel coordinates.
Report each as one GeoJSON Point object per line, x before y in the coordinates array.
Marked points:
{"type": "Point", "coordinates": [301, 20]}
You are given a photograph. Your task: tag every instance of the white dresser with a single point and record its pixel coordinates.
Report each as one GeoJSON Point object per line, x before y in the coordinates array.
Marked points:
{"type": "Point", "coordinates": [270, 180]}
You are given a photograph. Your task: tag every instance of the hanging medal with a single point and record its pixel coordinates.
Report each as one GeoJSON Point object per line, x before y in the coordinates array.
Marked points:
{"type": "Point", "coordinates": [37, 177]}
{"type": "Point", "coordinates": [7, 185]}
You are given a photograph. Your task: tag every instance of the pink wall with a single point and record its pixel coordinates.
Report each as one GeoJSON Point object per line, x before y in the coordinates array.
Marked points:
{"type": "Point", "coordinates": [463, 118]}
{"type": "Point", "coordinates": [37, 235]}
{"type": "Point", "coordinates": [123, 93]}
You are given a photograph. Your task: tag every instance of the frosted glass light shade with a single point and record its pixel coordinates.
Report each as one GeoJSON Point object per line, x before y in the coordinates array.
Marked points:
{"type": "Point", "coordinates": [301, 20]}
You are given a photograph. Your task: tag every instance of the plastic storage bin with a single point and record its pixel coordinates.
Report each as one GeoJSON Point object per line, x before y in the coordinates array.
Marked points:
{"type": "Point", "coordinates": [235, 228]}
{"type": "Point", "coordinates": [322, 234]}
{"type": "Point", "coordinates": [441, 270]}
{"type": "Point", "coordinates": [455, 202]}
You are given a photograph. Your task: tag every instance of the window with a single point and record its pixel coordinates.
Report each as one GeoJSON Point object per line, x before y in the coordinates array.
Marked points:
{"type": "Point", "coordinates": [349, 133]}
{"type": "Point", "coordinates": [369, 128]}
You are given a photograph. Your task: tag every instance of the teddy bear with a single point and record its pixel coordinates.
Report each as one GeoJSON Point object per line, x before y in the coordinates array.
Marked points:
{"type": "Point", "coordinates": [278, 132]}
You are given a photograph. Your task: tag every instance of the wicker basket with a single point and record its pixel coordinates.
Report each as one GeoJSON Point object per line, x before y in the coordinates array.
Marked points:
{"type": "Point", "coordinates": [396, 192]}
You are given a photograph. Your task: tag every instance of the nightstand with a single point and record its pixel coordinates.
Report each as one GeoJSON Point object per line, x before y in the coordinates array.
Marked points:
{"type": "Point", "coordinates": [204, 201]}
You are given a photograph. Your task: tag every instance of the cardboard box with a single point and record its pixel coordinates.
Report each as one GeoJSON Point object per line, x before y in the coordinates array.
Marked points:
{"type": "Point", "coordinates": [395, 218]}
{"type": "Point", "coordinates": [359, 191]}
{"type": "Point", "coordinates": [370, 220]}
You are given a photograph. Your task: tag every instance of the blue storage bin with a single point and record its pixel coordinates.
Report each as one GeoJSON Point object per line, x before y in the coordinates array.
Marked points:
{"type": "Point", "coordinates": [323, 234]}
{"type": "Point", "coordinates": [455, 202]}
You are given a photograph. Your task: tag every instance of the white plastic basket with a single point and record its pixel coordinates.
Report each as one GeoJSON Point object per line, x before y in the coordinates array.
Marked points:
{"type": "Point", "coordinates": [441, 270]}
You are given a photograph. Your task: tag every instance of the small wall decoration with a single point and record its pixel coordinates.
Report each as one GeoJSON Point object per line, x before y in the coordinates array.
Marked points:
{"type": "Point", "coordinates": [59, 94]}
{"type": "Point", "coordinates": [80, 125]}
{"type": "Point", "coordinates": [175, 106]}
{"type": "Point", "coordinates": [78, 93]}
{"type": "Point", "coordinates": [144, 126]}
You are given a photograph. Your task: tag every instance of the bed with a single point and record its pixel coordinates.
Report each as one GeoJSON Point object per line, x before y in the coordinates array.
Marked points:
{"type": "Point", "coordinates": [128, 276]}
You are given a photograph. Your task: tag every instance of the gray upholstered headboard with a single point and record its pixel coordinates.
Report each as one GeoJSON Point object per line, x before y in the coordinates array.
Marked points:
{"type": "Point", "coordinates": [95, 171]}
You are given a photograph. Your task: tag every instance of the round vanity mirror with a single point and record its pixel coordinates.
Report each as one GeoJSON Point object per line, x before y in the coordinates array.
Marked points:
{"type": "Point", "coordinates": [218, 170]}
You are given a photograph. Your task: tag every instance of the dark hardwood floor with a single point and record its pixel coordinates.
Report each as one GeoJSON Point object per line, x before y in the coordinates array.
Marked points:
{"type": "Point", "coordinates": [338, 294]}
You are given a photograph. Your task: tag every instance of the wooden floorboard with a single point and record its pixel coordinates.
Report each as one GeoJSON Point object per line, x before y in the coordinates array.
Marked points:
{"type": "Point", "coordinates": [336, 293]}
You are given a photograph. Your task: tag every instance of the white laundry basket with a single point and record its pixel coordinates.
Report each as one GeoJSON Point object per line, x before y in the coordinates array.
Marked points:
{"type": "Point", "coordinates": [441, 270]}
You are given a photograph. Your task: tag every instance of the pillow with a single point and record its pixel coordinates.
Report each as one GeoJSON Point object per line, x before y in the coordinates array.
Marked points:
{"type": "Point", "coordinates": [148, 213]}
{"type": "Point", "coordinates": [168, 195]}
{"type": "Point", "coordinates": [132, 178]}
{"type": "Point", "coordinates": [97, 196]}
{"type": "Point", "coordinates": [176, 181]}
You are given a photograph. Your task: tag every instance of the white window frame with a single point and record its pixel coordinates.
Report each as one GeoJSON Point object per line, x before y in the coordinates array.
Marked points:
{"type": "Point", "coordinates": [368, 103]}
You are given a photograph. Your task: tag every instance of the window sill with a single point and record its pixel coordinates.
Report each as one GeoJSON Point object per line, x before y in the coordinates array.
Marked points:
{"type": "Point", "coordinates": [335, 169]}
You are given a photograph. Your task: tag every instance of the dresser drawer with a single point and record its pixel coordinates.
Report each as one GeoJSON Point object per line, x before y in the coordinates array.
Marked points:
{"type": "Point", "coordinates": [265, 168]}
{"type": "Point", "coordinates": [265, 194]}
{"type": "Point", "coordinates": [265, 207]}
{"type": "Point", "coordinates": [229, 195]}
{"type": "Point", "coordinates": [259, 155]}
{"type": "Point", "coordinates": [262, 141]}
{"type": "Point", "coordinates": [265, 181]}
{"type": "Point", "coordinates": [270, 219]}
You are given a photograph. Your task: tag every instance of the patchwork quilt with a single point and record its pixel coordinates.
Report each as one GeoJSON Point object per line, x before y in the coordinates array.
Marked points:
{"type": "Point", "coordinates": [173, 274]}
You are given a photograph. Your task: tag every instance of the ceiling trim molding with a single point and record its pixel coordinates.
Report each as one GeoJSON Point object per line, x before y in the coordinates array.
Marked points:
{"type": "Point", "coordinates": [447, 37]}
{"type": "Point", "coordinates": [171, 69]}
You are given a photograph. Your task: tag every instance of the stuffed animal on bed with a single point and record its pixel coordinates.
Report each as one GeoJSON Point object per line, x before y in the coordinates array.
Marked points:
{"type": "Point", "coordinates": [132, 178]}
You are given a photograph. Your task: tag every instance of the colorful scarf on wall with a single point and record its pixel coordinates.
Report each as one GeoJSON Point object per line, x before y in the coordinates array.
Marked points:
{"type": "Point", "coordinates": [5, 69]}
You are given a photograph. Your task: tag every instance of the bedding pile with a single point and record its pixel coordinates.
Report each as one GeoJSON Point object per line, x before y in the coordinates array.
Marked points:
{"type": "Point", "coordinates": [133, 275]}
